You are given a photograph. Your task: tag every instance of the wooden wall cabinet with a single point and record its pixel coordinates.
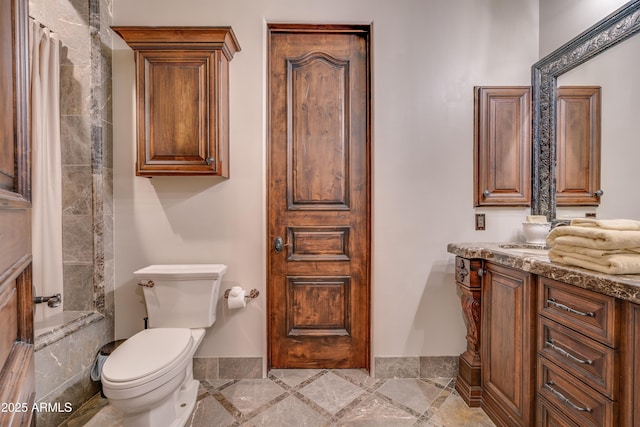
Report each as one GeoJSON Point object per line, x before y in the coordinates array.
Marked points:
{"type": "Point", "coordinates": [182, 97]}
{"type": "Point", "coordinates": [578, 146]}
{"type": "Point", "coordinates": [502, 146]}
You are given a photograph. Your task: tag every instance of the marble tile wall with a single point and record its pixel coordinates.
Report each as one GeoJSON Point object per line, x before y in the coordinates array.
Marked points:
{"type": "Point", "coordinates": [87, 180]}
{"type": "Point", "coordinates": [63, 371]}
{"type": "Point", "coordinates": [212, 368]}
{"type": "Point", "coordinates": [227, 367]}
{"type": "Point", "coordinates": [416, 367]}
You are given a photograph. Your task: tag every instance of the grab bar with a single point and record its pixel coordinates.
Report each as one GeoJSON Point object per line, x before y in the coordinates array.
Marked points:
{"type": "Point", "coordinates": [52, 301]}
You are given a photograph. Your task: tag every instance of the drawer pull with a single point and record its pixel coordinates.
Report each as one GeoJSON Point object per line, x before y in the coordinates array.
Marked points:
{"type": "Point", "coordinates": [551, 344]}
{"type": "Point", "coordinates": [553, 302]}
{"type": "Point", "coordinates": [565, 400]}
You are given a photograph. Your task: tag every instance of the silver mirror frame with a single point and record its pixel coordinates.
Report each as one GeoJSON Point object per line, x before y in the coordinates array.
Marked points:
{"type": "Point", "coordinates": [615, 28]}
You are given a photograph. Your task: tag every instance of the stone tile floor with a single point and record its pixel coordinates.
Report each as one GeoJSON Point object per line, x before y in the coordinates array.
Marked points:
{"type": "Point", "coordinates": [314, 397]}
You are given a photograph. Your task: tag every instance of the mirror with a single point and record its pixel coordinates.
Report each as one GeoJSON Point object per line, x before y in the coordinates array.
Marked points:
{"type": "Point", "coordinates": [615, 28]}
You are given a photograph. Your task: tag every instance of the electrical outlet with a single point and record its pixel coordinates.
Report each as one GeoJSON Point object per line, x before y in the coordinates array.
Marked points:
{"type": "Point", "coordinates": [590, 215]}
{"type": "Point", "coordinates": [480, 224]}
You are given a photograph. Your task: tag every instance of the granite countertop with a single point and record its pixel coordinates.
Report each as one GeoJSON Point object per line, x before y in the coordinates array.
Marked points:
{"type": "Point", "coordinates": [534, 259]}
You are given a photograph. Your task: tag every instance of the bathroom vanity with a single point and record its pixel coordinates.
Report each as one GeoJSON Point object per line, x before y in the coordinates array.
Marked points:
{"type": "Point", "coordinates": [547, 344]}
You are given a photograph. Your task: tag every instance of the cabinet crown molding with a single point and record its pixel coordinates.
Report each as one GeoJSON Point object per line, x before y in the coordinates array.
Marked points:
{"type": "Point", "coordinates": [185, 38]}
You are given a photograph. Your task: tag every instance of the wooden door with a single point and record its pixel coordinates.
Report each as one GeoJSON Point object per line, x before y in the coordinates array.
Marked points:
{"type": "Point", "coordinates": [319, 196]}
{"type": "Point", "coordinates": [17, 377]}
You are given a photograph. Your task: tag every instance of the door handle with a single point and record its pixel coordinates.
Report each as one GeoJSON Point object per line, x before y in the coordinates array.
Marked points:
{"type": "Point", "coordinates": [279, 244]}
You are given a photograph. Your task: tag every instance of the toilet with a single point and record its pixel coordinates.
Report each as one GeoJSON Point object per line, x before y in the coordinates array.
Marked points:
{"type": "Point", "coordinates": [149, 377]}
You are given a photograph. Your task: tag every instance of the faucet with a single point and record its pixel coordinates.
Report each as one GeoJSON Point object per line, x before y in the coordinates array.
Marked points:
{"type": "Point", "coordinates": [52, 301]}
{"type": "Point", "coordinates": [559, 223]}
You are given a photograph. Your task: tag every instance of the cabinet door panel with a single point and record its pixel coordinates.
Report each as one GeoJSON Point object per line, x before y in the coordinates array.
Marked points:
{"type": "Point", "coordinates": [578, 146]}
{"type": "Point", "coordinates": [502, 146]}
{"type": "Point", "coordinates": [508, 346]}
{"type": "Point", "coordinates": [173, 108]}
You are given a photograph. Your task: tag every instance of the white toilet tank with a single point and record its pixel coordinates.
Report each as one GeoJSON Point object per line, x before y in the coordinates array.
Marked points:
{"type": "Point", "coordinates": [181, 295]}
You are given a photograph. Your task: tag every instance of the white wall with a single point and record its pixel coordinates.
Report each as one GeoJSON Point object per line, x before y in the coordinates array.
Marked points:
{"type": "Point", "coordinates": [427, 56]}
{"type": "Point", "coordinates": [562, 20]}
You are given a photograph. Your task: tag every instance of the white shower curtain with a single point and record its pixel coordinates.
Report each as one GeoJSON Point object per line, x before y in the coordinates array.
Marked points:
{"type": "Point", "coordinates": [46, 186]}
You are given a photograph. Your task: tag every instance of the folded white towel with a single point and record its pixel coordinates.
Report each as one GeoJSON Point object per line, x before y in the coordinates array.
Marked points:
{"type": "Point", "coordinates": [594, 253]}
{"type": "Point", "coordinates": [608, 224]}
{"type": "Point", "coordinates": [609, 264]}
{"type": "Point", "coordinates": [594, 238]}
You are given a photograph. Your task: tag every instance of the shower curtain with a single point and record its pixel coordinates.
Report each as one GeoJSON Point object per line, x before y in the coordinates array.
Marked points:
{"type": "Point", "coordinates": [46, 169]}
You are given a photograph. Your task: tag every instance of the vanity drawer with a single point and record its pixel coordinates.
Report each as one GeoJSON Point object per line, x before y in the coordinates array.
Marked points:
{"type": "Point", "coordinates": [573, 398]}
{"type": "Point", "coordinates": [550, 416]}
{"type": "Point", "coordinates": [589, 313]}
{"type": "Point", "coordinates": [592, 362]}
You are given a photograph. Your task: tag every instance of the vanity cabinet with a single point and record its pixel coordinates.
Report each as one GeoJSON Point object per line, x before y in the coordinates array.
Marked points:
{"type": "Point", "coordinates": [562, 351]}
{"type": "Point", "coordinates": [502, 146]}
{"type": "Point", "coordinates": [182, 98]}
{"type": "Point", "coordinates": [578, 146]}
{"type": "Point", "coordinates": [508, 345]}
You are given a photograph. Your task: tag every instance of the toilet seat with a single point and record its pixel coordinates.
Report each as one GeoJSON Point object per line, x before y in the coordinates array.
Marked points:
{"type": "Point", "coordinates": [147, 356]}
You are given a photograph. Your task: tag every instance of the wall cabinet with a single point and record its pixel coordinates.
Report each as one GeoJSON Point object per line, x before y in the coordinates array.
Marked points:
{"type": "Point", "coordinates": [502, 146]}
{"type": "Point", "coordinates": [182, 98]}
{"type": "Point", "coordinates": [578, 146]}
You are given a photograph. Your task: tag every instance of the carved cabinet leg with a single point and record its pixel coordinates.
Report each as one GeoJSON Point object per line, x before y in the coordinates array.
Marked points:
{"type": "Point", "coordinates": [468, 382]}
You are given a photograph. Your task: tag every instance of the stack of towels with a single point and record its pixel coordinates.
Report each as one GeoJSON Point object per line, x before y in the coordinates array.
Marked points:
{"type": "Point", "coordinates": [610, 246]}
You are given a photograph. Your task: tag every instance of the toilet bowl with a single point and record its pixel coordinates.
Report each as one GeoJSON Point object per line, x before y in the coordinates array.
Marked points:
{"type": "Point", "coordinates": [149, 377]}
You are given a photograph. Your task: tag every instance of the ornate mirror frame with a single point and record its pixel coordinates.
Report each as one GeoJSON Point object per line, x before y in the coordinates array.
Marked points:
{"type": "Point", "coordinates": [615, 28]}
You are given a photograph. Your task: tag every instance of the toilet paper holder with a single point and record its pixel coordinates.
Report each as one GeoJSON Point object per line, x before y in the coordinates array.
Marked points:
{"type": "Point", "coordinates": [253, 293]}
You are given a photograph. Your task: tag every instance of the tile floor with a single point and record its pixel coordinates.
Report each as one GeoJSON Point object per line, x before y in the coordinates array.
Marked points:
{"type": "Point", "coordinates": [314, 397]}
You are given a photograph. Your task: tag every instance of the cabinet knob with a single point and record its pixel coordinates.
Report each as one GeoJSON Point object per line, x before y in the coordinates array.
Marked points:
{"type": "Point", "coordinates": [486, 193]}
{"type": "Point", "coordinates": [599, 193]}
{"type": "Point", "coordinates": [210, 160]}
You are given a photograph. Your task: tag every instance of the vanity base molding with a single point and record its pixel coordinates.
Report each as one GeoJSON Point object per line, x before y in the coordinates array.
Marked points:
{"type": "Point", "coordinates": [468, 382]}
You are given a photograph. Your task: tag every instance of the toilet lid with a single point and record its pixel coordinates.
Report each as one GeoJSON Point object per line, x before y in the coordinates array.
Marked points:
{"type": "Point", "coordinates": [148, 354]}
